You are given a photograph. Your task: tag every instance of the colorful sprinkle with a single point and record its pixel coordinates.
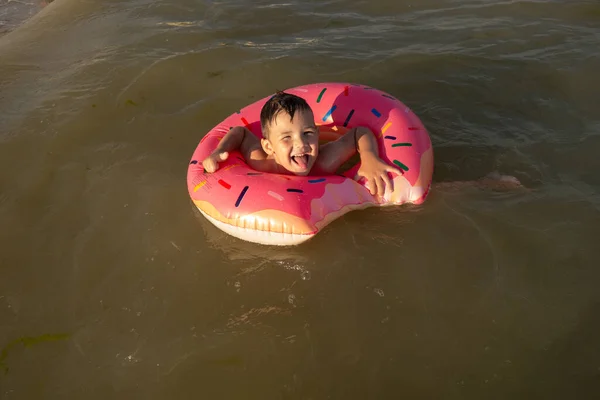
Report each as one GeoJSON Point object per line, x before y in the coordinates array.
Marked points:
{"type": "Point", "coordinates": [321, 95]}
{"type": "Point", "coordinates": [401, 144]}
{"type": "Point", "coordinates": [388, 96]}
{"type": "Point", "coordinates": [254, 173]}
{"type": "Point", "coordinates": [328, 114]}
{"type": "Point", "coordinates": [275, 195]}
{"type": "Point", "coordinates": [194, 162]}
{"type": "Point", "coordinates": [224, 184]}
{"type": "Point", "coordinates": [296, 190]}
{"type": "Point", "coordinates": [245, 121]}
{"type": "Point", "coordinates": [390, 137]}
{"type": "Point", "coordinates": [414, 128]}
{"type": "Point", "coordinates": [385, 128]}
{"type": "Point", "coordinates": [398, 163]}
{"type": "Point", "coordinates": [198, 186]}
{"type": "Point", "coordinates": [348, 118]}
{"type": "Point", "coordinates": [376, 113]}
{"type": "Point", "coordinates": [241, 196]}
{"type": "Point", "coordinates": [229, 167]}
{"type": "Point", "coordinates": [316, 180]}
{"type": "Point", "coordinates": [346, 90]}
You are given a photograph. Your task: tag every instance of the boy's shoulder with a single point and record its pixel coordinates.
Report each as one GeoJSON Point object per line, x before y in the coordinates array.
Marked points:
{"type": "Point", "coordinates": [259, 160]}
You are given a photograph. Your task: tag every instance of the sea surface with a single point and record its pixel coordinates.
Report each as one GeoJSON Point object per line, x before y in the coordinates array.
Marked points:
{"type": "Point", "coordinates": [113, 286]}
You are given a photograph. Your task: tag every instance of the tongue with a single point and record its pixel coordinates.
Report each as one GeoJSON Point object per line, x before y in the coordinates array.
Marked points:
{"type": "Point", "coordinates": [301, 161]}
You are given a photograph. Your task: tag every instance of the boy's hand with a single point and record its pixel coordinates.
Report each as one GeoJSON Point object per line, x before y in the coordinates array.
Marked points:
{"type": "Point", "coordinates": [211, 163]}
{"type": "Point", "coordinates": [376, 171]}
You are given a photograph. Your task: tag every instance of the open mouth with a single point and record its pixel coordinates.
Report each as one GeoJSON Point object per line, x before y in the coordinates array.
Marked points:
{"type": "Point", "coordinates": [301, 160]}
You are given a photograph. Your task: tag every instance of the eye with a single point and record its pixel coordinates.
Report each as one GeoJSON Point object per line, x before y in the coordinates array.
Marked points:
{"type": "Point", "coordinates": [285, 138]}
{"type": "Point", "coordinates": [308, 132]}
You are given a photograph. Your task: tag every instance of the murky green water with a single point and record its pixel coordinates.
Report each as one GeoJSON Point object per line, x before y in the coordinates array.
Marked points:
{"type": "Point", "coordinates": [476, 294]}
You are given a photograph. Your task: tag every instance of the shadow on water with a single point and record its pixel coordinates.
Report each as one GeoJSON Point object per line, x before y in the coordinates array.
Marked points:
{"type": "Point", "coordinates": [251, 256]}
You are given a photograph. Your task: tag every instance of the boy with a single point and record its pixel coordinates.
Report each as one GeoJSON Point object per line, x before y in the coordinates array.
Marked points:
{"type": "Point", "coordinates": [290, 145]}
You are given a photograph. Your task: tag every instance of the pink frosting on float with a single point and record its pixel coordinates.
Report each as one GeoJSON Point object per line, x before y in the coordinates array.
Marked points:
{"type": "Point", "coordinates": [236, 194]}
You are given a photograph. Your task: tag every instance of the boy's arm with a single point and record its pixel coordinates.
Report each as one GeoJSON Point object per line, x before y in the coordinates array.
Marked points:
{"type": "Point", "coordinates": [334, 154]}
{"type": "Point", "coordinates": [360, 139]}
{"type": "Point", "coordinates": [238, 138]}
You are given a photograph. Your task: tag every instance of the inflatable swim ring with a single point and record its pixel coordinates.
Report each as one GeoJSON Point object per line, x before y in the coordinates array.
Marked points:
{"type": "Point", "coordinates": [287, 210]}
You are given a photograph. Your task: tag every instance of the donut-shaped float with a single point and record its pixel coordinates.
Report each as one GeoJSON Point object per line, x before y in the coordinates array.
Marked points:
{"type": "Point", "coordinates": [279, 209]}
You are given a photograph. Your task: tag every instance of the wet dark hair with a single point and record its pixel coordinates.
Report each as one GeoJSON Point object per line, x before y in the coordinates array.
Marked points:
{"type": "Point", "coordinates": [281, 101]}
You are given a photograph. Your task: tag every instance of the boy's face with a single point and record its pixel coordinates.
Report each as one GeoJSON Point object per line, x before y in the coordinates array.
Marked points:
{"type": "Point", "coordinates": [293, 143]}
